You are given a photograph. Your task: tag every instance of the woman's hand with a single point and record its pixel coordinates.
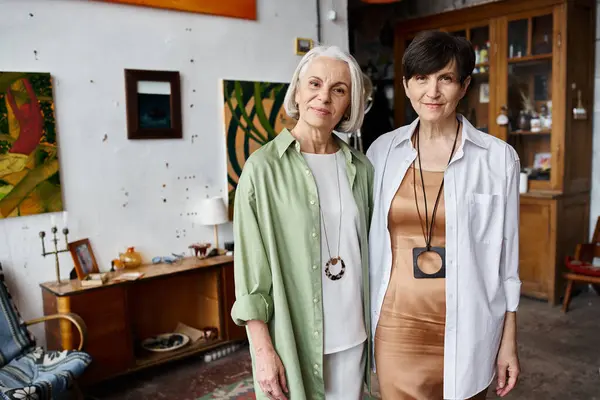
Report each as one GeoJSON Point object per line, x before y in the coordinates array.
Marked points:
{"type": "Point", "coordinates": [270, 374]}
{"type": "Point", "coordinates": [268, 368]}
{"type": "Point", "coordinates": [508, 360]}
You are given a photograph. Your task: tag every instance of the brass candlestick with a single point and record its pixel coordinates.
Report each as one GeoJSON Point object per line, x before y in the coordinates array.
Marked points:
{"type": "Point", "coordinates": [56, 251]}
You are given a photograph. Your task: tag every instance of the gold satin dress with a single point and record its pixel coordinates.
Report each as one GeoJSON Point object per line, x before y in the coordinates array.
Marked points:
{"type": "Point", "coordinates": [409, 339]}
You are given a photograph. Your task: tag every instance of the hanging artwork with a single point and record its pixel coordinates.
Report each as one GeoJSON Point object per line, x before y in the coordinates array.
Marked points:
{"type": "Point", "coordinates": [29, 169]}
{"type": "Point", "coordinates": [153, 104]}
{"type": "Point", "coordinates": [245, 9]}
{"type": "Point", "coordinates": [254, 115]}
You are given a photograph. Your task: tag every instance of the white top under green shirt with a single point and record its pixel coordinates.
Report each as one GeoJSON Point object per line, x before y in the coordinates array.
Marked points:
{"type": "Point", "coordinates": [344, 325]}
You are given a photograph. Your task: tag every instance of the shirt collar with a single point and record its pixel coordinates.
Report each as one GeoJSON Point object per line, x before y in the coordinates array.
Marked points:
{"type": "Point", "coordinates": [469, 133]}
{"type": "Point", "coordinates": [285, 140]}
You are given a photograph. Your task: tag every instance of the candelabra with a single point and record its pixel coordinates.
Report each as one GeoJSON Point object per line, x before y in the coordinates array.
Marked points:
{"type": "Point", "coordinates": [56, 251]}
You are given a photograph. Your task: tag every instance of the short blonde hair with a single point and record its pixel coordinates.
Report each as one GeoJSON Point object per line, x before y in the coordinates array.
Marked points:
{"type": "Point", "coordinates": [358, 94]}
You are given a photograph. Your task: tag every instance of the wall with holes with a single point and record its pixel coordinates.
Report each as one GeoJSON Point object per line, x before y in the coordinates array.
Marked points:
{"type": "Point", "coordinates": [119, 192]}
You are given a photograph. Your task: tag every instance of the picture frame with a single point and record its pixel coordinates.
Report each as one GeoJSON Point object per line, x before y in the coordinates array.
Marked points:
{"type": "Point", "coordinates": [153, 102]}
{"type": "Point", "coordinates": [244, 9]}
{"type": "Point", "coordinates": [542, 161]}
{"type": "Point", "coordinates": [83, 257]}
{"type": "Point", "coordinates": [303, 46]}
{"type": "Point", "coordinates": [484, 93]}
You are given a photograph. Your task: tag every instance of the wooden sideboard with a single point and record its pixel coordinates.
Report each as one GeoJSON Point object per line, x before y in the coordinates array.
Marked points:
{"type": "Point", "coordinates": [119, 315]}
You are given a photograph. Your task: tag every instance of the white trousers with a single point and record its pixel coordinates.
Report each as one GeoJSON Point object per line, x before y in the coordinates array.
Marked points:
{"type": "Point", "coordinates": [344, 374]}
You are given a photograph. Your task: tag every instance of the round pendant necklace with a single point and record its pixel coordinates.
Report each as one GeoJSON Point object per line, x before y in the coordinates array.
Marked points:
{"type": "Point", "coordinates": [334, 260]}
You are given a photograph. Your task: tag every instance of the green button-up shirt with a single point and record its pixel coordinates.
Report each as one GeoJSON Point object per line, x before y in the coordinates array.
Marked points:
{"type": "Point", "coordinates": [278, 263]}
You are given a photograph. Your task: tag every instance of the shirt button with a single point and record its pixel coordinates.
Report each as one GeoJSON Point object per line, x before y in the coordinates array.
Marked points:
{"type": "Point", "coordinates": [315, 300]}
{"type": "Point", "coordinates": [316, 372]}
{"type": "Point", "coordinates": [312, 202]}
{"type": "Point", "coordinates": [314, 234]}
{"type": "Point", "coordinates": [315, 266]}
{"type": "Point", "coordinates": [316, 366]}
{"type": "Point", "coordinates": [307, 171]}
{"type": "Point", "coordinates": [316, 333]}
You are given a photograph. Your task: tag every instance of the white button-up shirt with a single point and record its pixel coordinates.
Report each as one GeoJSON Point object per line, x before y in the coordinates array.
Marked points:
{"type": "Point", "coordinates": [481, 193]}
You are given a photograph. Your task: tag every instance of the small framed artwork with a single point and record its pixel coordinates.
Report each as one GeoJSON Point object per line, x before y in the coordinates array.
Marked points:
{"type": "Point", "coordinates": [153, 104]}
{"type": "Point", "coordinates": [542, 161]}
{"type": "Point", "coordinates": [83, 257]}
{"type": "Point", "coordinates": [484, 93]}
{"type": "Point", "coordinates": [303, 46]}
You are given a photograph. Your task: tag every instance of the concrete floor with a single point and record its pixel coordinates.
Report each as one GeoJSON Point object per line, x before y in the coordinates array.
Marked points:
{"type": "Point", "coordinates": [559, 353]}
{"type": "Point", "coordinates": [560, 360]}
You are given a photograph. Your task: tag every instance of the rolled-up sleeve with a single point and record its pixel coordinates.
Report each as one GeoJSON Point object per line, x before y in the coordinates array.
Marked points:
{"type": "Point", "coordinates": [252, 273]}
{"type": "Point", "coordinates": [510, 252]}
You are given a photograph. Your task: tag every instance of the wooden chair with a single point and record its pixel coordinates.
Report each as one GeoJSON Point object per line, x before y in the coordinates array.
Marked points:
{"type": "Point", "coordinates": [31, 372]}
{"type": "Point", "coordinates": [584, 253]}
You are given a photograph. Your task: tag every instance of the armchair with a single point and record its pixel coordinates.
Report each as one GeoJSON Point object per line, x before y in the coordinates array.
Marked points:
{"type": "Point", "coordinates": [581, 266]}
{"type": "Point", "coordinates": [31, 372]}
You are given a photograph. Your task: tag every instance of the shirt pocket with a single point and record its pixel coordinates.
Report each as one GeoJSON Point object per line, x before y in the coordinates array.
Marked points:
{"type": "Point", "coordinates": [486, 218]}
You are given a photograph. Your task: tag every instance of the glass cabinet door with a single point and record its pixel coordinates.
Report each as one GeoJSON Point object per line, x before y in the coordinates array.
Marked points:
{"type": "Point", "coordinates": [476, 103]}
{"type": "Point", "coordinates": [529, 95]}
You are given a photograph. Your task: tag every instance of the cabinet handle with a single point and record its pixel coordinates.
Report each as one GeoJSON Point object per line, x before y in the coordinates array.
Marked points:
{"type": "Point", "coordinates": [559, 39]}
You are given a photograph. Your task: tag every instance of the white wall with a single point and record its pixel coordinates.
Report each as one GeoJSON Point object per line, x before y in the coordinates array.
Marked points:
{"type": "Point", "coordinates": [79, 42]}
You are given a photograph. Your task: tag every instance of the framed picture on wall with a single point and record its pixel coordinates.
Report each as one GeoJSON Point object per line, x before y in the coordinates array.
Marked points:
{"type": "Point", "coordinates": [83, 257]}
{"type": "Point", "coordinates": [303, 46]}
{"type": "Point", "coordinates": [245, 9]}
{"type": "Point", "coordinates": [153, 104]}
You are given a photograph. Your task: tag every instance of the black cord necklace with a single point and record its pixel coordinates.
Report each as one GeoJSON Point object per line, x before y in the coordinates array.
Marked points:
{"type": "Point", "coordinates": [334, 260]}
{"type": "Point", "coordinates": [428, 229]}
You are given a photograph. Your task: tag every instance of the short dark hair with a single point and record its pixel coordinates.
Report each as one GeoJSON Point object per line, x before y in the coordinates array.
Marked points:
{"type": "Point", "coordinates": [431, 51]}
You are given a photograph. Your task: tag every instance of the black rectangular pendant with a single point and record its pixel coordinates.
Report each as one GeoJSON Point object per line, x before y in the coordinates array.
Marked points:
{"type": "Point", "coordinates": [418, 273]}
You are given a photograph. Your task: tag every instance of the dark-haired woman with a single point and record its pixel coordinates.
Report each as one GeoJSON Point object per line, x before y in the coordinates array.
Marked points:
{"type": "Point", "coordinates": [444, 240]}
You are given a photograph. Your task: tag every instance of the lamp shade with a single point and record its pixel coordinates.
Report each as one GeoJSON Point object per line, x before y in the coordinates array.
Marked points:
{"type": "Point", "coordinates": [213, 211]}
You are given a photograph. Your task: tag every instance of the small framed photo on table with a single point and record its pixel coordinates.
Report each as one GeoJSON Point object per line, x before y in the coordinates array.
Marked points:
{"type": "Point", "coordinates": [83, 257]}
{"type": "Point", "coordinates": [153, 104]}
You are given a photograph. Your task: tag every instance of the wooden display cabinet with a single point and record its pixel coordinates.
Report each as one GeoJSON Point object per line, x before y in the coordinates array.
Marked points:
{"type": "Point", "coordinates": [540, 51]}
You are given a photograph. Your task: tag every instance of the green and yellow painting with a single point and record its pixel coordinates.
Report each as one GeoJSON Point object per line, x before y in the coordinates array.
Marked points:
{"type": "Point", "coordinates": [254, 115]}
{"type": "Point", "coordinates": [29, 171]}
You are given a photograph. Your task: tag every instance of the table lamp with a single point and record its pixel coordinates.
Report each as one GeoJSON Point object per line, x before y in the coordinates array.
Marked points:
{"type": "Point", "coordinates": [213, 211]}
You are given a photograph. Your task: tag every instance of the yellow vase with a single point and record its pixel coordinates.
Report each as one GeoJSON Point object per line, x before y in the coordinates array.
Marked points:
{"type": "Point", "coordinates": [131, 258]}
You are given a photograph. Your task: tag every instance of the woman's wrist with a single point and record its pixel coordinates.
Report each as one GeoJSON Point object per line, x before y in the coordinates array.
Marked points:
{"type": "Point", "coordinates": [261, 338]}
{"type": "Point", "coordinates": [509, 333]}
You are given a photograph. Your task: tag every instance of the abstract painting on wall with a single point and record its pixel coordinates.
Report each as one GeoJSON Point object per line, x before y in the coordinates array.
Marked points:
{"type": "Point", "coordinates": [254, 115]}
{"type": "Point", "coordinates": [245, 9]}
{"type": "Point", "coordinates": [29, 169]}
